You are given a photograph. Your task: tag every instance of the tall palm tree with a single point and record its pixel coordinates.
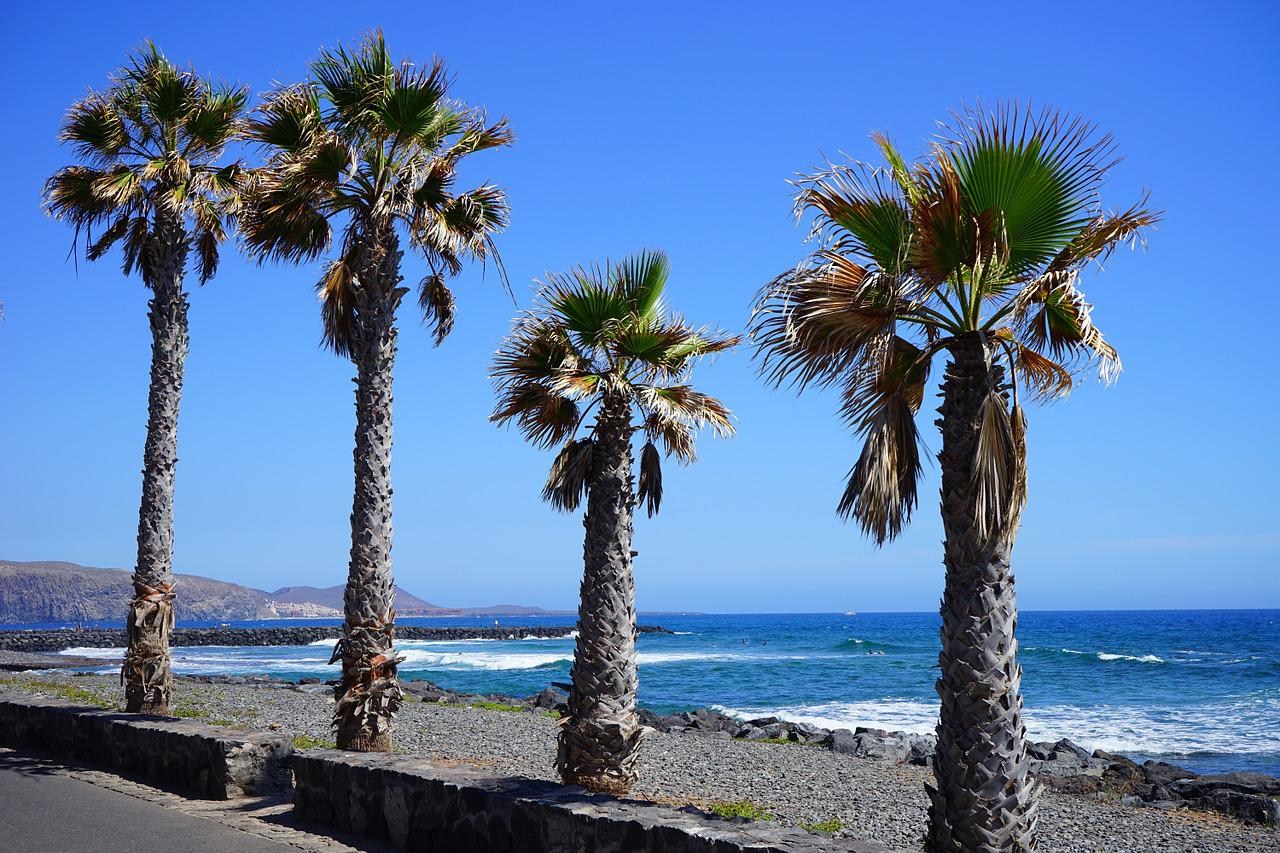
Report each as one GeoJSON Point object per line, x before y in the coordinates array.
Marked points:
{"type": "Point", "coordinates": [975, 252]}
{"type": "Point", "coordinates": [601, 339]}
{"type": "Point", "coordinates": [151, 180]}
{"type": "Point", "coordinates": [372, 148]}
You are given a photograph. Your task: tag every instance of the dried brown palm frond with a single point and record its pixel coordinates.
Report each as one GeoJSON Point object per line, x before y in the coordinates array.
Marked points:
{"type": "Point", "coordinates": [1018, 491]}
{"type": "Point", "coordinates": [813, 324]}
{"type": "Point", "coordinates": [677, 436]}
{"type": "Point", "coordinates": [438, 305]}
{"type": "Point", "coordinates": [649, 492]}
{"type": "Point", "coordinates": [1058, 321]}
{"type": "Point", "coordinates": [545, 417]}
{"type": "Point", "coordinates": [881, 491]}
{"type": "Point", "coordinates": [693, 408]}
{"type": "Point", "coordinates": [1045, 378]}
{"type": "Point", "coordinates": [570, 475]}
{"type": "Point", "coordinates": [995, 467]}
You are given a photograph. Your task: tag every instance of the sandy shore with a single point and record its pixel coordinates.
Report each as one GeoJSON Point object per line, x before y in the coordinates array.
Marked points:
{"type": "Point", "coordinates": [799, 785]}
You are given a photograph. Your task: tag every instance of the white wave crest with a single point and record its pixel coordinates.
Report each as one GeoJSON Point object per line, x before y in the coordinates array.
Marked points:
{"type": "Point", "coordinates": [109, 653]}
{"type": "Point", "coordinates": [1138, 658]}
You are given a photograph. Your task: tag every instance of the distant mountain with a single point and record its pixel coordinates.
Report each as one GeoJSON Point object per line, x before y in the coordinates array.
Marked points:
{"type": "Point", "coordinates": [66, 592]}
{"type": "Point", "coordinates": [407, 604]}
{"type": "Point", "coordinates": [51, 591]}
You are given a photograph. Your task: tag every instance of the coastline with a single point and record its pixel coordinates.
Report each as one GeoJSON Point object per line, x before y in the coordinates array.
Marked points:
{"type": "Point", "coordinates": [801, 785]}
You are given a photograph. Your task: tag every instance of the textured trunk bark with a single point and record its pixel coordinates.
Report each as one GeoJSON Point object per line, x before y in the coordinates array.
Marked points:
{"type": "Point", "coordinates": [600, 737]}
{"type": "Point", "coordinates": [985, 798]}
{"type": "Point", "coordinates": [368, 695]}
{"type": "Point", "coordinates": [146, 672]}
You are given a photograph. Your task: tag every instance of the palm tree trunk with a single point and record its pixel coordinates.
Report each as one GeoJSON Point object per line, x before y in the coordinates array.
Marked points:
{"type": "Point", "coordinates": [600, 737]}
{"type": "Point", "coordinates": [985, 798]}
{"type": "Point", "coordinates": [147, 672]}
{"type": "Point", "coordinates": [368, 695]}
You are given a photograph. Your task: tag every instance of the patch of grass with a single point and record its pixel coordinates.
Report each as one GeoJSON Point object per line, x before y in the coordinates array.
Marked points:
{"type": "Point", "coordinates": [495, 706]}
{"type": "Point", "coordinates": [741, 808]}
{"type": "Point", "coordinates": [555, 715]}
{"type": "Point", "coordinates": [66, 691]}
{"type": "Point", "coordinates": [187, 713]}
{"type": "Point", "coordinates": [309, 742]}
{"type": "Point", "coordinates": [833, 825]}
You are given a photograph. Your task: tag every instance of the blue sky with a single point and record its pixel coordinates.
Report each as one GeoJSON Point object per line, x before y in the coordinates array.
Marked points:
{"type": "Point", "coordinates": [672, 126]}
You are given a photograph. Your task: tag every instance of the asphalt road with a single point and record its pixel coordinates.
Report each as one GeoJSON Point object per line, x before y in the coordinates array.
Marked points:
{"type": "Point", "coordinates": [42, 811]}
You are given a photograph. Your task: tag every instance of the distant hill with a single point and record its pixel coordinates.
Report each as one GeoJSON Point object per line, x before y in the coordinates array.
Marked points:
{"type": "Point", "coordinates": [51, 591]}
{"type": "Point", "coordinates": [331, 596]}
{"type": "Point", "coordinates": [66, 592]}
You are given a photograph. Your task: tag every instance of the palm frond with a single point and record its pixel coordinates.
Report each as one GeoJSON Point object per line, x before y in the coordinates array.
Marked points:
{"type": "Point", "coordinates": [1105, 233]}
{"type": "Point", "coordinates": [995, 467]}
{"type": "Point", "coordinates": [438, 305]}
{"type": "Point", "coordinates": [682, 403]}
{"type": "Point", "coordinates": [570, 475]}
{"type": "Point", "coordinates": [863, 207]}
{"type": "Point", "coordinates": [881, 490]}
{"type": "Point", "coordinates": [1037, 173]}
{"type": "Point", "coordinates": [649, 492]}
{"type": "Point", "coordinates": [545, 417]}
{"type": "Point", "coordinates": [1053, 317]}
{"type": "Point", "coordinates": [814, 324]}
{"type": "Point", "coordinates": [676, 435]}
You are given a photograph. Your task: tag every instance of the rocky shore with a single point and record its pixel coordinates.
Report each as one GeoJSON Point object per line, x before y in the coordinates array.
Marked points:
{"type": "Point", "coordinates": [863, 782]}
{"type": "Point", "coordinates": [106, 638]}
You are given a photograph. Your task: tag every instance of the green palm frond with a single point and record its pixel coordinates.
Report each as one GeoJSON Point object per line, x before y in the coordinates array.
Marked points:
{"type": "Point", "coordinates": [861, 208]}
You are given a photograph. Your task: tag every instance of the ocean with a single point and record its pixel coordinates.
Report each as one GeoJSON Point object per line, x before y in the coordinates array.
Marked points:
{"type": "Point", "coordinates": [1198, 688]}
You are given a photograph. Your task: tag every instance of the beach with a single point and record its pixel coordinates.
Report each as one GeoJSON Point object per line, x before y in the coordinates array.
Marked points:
{"type": "Point", "coordinates": [797, 784]}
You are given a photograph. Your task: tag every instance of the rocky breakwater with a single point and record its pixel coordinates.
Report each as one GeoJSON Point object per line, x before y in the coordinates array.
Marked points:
{"type": "Point", "coordinates": [1253, 798]}
{"type": "Point", "coordinates": [300, 635]}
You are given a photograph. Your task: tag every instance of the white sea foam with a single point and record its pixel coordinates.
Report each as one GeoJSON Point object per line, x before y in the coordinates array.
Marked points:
{"type": "Point", "coordinates": [1138, 658]}
{"type": "Point", "coordinates": [420, 658]}
{"type": "Point", "coordinates": [109, 653]}
{"type": "Point", "coordinates": [1226, 727]}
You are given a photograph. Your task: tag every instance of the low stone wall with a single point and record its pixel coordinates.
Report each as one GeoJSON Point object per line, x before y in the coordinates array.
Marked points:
{"type": "Point", "coordinates": [418, 805]}
{"type": "Point", "coordinates": [198, 759]}
{"type": "Point", "coordinates": [298, 635]}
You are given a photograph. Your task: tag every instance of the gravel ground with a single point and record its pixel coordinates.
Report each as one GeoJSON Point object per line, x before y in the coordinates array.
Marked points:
{"type": "Point", "coordinates": [798, 784]}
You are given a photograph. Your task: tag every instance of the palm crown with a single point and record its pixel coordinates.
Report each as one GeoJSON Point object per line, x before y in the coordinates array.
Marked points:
{"type": "Point", "coordinates": [150, 145]}
{"type": "Point", "coordinates": [600, 334]}
{"type": "Point", "coordinates": [380, 143]}
{"type": "Point", "coordinates": [987, 235]}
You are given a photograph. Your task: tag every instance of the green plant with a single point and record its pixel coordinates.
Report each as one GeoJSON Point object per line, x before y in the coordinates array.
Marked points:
{"type": "Point", "coordinates": [833, 825]}
{"type": "Point", "coordinates": [66, 691]}
{"type": "Point", "coordinates": [553, 714]}
{"type": "Point", "coordinates": [495, 706]}
{"type": "Point", "coordinates": [742, 808]}
{"type": "Point", "coordinates": [308, 742]}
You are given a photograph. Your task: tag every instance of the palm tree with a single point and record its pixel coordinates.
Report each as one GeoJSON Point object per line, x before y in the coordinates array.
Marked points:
{"type": "Point", "coordinates": [150, 179]}
{"type": "Point", "coordinates": [600, 338]}
{"type": "Point", "coordinates": [975, 251]}
{"type": "Point", "coordinates": [373, 148]}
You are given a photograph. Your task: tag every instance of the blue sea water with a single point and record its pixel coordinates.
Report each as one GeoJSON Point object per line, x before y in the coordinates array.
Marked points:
{"type": "Point", "coordinates": [1200, 688]}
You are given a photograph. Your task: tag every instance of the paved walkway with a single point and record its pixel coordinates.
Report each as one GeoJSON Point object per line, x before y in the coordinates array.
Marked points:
{"type": "Point", "coordinates": [60, 808]}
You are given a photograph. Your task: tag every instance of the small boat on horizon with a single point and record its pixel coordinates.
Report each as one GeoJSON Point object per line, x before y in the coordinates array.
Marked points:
{"type": "Point", "coordinates": [850, 613]}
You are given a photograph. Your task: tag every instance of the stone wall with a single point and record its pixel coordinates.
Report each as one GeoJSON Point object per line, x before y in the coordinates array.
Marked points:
{"type": "Point", "coordinates": [195, 758]}
{"type": "Point", "coordinates": [418, 805]}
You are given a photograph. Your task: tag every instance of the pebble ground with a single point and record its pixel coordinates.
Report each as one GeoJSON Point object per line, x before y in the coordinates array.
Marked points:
{"type": "Point", "coordinates": [799, 785]}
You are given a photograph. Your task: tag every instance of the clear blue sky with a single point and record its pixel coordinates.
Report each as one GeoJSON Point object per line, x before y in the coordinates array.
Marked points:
{"type": "Point", "coordinates": [674, 127]}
